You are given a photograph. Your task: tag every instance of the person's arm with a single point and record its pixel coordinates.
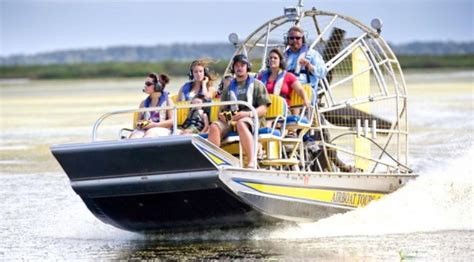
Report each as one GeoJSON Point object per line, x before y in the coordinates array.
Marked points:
{"type": "Point", "coordinates": [140, 114]}
{"type": "Point", "coordinates": [205, 89]}
{"type": "Point", "coordinates": [307, 65]}
{"type": "Point", "coordinates": [138, 123]}
{"type": "Point", "coordinates": [168, 123]}
{"type": "Point", "coordinates": [261, 110]}
{"type": "Point", "coordinates": [317, 66]}
{"type": "Point", "coordinates": [300, 91]}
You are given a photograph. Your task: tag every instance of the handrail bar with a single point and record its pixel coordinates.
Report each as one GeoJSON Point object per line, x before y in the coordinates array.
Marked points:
{"type": "Point", "coordinates": [175, 110]}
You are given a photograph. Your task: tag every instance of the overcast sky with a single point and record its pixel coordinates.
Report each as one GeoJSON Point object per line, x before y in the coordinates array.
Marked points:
{"type": "Point", "coordinates": [32, 26]}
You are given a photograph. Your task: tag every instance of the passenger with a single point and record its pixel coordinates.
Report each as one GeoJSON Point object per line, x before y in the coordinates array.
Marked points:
{"type": "Point", "coordinates": [222, 85]}
{"type": "Point", "coordinates": [244, 88]}
{"type": "Point", "coordinates": [197, 120]}
{"type": "Point", "coordinates": [154, 123]}
{"type": "Point", "coordinates": [305, 63]}
{"type": "Point", "coordinates": [163, 79]}
{"type": "Point", "coordinates": [279, 82]}
{"type": "Point", "coordinates": [200, 84]}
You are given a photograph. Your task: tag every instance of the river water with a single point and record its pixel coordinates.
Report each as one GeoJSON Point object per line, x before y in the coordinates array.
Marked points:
{"type": "Point", "coordinates": [41, 218]}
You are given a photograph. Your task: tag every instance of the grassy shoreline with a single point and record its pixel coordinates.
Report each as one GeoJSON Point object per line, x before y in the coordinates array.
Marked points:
{"type": "Point", "coordinates": [180, 68]}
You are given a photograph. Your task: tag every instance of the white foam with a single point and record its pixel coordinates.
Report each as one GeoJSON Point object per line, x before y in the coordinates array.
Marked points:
{"type": "Point", "coordinates": [440, 199]}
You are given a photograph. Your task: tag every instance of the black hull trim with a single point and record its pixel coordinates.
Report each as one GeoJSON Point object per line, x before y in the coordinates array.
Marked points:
{"type": "Point", "coordinates": [175, 211]}
{"type": "Point", "coordinates": [149, 185]}
{"type": "Point", "coordinates": [126, 158]}
{"type": "Point", "coordinates": [141, 185]}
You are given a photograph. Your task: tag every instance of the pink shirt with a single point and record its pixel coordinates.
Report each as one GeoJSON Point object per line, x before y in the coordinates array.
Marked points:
{"type": "Point", "coordinates": [285, 88]}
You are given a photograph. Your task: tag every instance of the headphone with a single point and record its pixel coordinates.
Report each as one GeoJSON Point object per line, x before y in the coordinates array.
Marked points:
{"type": "Point", "coordinates": [190, 72]}
{"type": "Point", "coordinates": [158, 87]}
{"type": "Point", "coordinates": [282, 64]}
{"type": "Point", "coordinates": [241, 58]}
{"type": "Point", "coordinates": [285, 38]}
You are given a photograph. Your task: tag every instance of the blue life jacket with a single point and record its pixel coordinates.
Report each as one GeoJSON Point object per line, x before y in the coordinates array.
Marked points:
{"type": "Point", "coordinates": [233, 87]}
{"type": "Point", "coordinates": [292, 67]}
{"type": "Point", "coordinates": [187, 89]}
{"type": "Point", "coordinates": [155, 115]}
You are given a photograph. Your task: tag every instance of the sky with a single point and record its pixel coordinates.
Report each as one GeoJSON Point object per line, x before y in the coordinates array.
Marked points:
{"type": "Point", "coordinates": [35, 26]}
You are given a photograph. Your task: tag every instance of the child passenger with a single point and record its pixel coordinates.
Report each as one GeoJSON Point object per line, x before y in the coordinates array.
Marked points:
{"type": "Point", "coordinates": [197, 120]}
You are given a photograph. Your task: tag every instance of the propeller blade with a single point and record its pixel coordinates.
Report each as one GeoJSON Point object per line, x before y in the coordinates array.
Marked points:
{"type": "Point", "coordinates": [347, 117]}
{"type": "Point", "coordinates": [333, 47]}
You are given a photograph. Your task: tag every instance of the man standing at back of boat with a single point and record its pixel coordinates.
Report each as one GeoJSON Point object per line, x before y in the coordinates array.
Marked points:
{"type": "Point", "coordinates": [244, 88]}
{"type": "Point", "coordinates": [305, 63]}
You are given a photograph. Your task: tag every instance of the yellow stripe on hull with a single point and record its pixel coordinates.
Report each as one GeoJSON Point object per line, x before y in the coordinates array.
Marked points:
{"type": "Point", "coordinates": [346, 198]}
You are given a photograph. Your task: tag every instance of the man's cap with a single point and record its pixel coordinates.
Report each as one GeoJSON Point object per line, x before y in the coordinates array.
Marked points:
{"type": "Point", "coordinates": [241, 58]}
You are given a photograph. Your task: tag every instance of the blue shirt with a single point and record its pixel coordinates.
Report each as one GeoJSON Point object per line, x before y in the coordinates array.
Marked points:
{"type": "Point", "coordinates": [320, 69]}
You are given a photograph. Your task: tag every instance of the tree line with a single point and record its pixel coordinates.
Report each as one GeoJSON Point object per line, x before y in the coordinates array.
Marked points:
{"type": "Point", "coordinates": [186, 52]}
{"type": "Point", "coordinates": [180, 68]}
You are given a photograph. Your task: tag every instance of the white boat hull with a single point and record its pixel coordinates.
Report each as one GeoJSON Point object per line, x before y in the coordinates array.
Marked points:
{"type": "Point", "coordinates": [308, 196]}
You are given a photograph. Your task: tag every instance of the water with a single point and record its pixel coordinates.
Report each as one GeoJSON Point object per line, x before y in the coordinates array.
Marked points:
{"type": "Point", "coordinates": [41, 218]}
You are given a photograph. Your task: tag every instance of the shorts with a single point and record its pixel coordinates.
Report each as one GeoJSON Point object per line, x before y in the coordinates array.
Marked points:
{"type": "Point", "coordinates": [226, 127]}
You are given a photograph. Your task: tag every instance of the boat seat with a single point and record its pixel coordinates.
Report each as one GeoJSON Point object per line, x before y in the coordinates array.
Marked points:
{"type": "Point", "coordinates": [214, 111]}
{"type": "Point", "coordinates": [299, 124]}
{"type": "Point", "coordinates": [182, 113]}
{"type": "Point", "coordinates": [305, 118]}
{"type": "Point", "coordinates": [174, 98]}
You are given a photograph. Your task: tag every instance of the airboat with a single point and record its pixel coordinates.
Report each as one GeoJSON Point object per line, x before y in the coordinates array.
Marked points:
{"type": "Point", "coordinates": [351, 148]}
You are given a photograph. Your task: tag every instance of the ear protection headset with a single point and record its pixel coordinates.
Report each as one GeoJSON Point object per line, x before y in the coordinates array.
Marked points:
{"type": "Point", "coordinates": [157, 85]}
{"type": "Point", "coordinates": [243, 59]}
{"type": "Point", "coordinates": [285, 37]}
{"type": "Point", "coordinates": [193, 64]}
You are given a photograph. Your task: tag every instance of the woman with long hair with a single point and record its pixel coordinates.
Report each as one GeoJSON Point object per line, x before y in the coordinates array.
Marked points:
{"type": "Point", "coordinates": [200, 82]}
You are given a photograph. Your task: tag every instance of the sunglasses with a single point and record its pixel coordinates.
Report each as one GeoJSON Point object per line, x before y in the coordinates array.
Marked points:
{"type": "Point", "coordinates": [295, 37]}
{"type": "Point", "coordinates": [148, 83]}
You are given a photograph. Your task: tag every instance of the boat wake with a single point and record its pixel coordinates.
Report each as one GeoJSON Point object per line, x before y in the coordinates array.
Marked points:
{"type": "Point", "coordinates": [440, 199]}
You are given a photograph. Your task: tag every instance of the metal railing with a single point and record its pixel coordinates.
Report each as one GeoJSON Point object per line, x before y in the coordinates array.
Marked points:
{"type": "Point", "coordinates": [175, 108]}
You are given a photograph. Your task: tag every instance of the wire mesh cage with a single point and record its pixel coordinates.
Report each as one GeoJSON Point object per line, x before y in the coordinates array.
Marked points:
{"type": "Point", "coordinates": [362, 102]}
